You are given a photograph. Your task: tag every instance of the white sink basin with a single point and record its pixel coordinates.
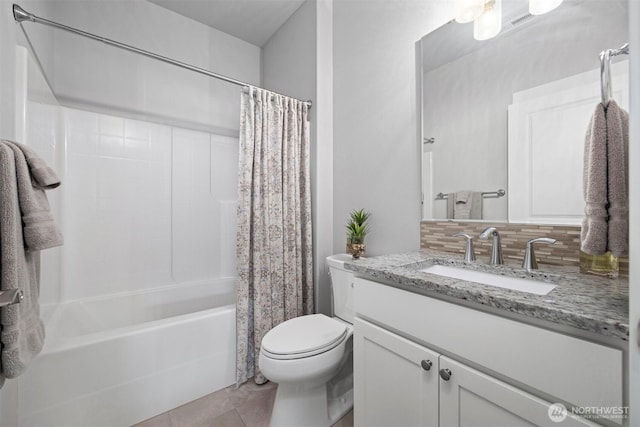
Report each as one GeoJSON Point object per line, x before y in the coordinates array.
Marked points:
{"type": "Point", "coordinates": [507, 282]}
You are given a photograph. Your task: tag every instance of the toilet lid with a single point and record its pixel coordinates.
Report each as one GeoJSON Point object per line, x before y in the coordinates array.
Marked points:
{"type": "Point", "coordinates": [304, 336]}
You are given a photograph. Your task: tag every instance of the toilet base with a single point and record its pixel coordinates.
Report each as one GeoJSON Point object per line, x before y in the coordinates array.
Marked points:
{"type": "Point", "coordinates": [340, 389]}
{"type": "Point", "coordinates": [316, 406]}
{"type": "Point", "coordinates": [297, 405]}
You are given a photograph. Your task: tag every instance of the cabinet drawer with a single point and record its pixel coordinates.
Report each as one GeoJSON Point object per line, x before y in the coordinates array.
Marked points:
{"type": "Point", "coordinates": [573, 370]}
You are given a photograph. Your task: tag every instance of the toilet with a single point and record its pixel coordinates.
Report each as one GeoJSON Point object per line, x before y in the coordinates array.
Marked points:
{"type": "Point", "coordinates": [311, 359]}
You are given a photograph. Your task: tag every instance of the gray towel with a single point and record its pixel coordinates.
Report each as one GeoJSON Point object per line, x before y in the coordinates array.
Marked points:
{"type": "Point", "coordinates": [33, 175]}
{"type": "Point", "coordinates": [605, 226]}
{"type": "Point", "coordinates": [464, 205]}
{"type": "Point", "coordinates": [594, 185]}
{"type": "Point", "coordinates": [617, 179]}
{"type": "Point", "coordinates": [42, 175]}
{"type": "Point", "coordinates": [22, 202]}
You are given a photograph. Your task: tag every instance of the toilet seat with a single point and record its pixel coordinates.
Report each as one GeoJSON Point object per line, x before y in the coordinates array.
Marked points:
{"type": "Point", "coordinates": [303, 336]}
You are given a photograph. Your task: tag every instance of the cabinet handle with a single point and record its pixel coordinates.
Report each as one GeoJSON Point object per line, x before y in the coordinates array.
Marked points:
{"type": "Point", "coordinates": [426, 364]}
{"type": "Point", "coordinates": [445, 374]}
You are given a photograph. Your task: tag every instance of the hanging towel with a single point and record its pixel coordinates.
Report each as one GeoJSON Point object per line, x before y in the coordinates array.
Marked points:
{"type": "Point", "coordinates": [594, 185]}
{"type": "Point", "coordinates": [34, 176]}
{"type": "Point", "coordinates": [22, 201]}
{"type": "Point", "coordinates": [617, 179]}
{"type": "Point", "coordinates": [606, 222]}
{"type": "Point", "coordinates": [464, 205]}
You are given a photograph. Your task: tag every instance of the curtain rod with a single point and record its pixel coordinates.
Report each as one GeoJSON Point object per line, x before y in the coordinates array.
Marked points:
{"type": "Point", "coordinates": [20, 15]}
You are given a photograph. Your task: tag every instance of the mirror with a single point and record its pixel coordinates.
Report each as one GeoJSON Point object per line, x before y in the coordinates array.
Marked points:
{"type": "Point", "coordinates": [477, 98]}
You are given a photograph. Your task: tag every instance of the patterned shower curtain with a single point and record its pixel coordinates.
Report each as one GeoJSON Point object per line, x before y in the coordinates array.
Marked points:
{"type": "Point", "coordinates": [274, 251]}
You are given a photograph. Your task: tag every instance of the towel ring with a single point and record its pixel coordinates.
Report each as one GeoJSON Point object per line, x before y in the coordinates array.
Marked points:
{"type": "Point", "coordinates": [605, 71]}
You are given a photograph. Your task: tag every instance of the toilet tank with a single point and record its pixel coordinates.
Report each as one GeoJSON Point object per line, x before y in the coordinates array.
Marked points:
{"type": "Point", "coordinates": [341, 287]}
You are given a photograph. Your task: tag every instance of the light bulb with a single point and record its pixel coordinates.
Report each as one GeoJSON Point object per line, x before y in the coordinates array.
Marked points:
{"type": "Point", "coordinates": [538, 7]}
{"type": "Point", "coordinates": [489, 23]}
{"type": "Point", "coordinates": [468, 10]}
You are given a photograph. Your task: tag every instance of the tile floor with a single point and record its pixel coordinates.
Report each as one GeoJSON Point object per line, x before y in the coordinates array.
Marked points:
{"type": "Point", "coordinates": [248, 406]}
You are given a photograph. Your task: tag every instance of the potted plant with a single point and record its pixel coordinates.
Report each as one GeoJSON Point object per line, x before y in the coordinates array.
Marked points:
{"type": "Point", "coordinates": [357, 229]}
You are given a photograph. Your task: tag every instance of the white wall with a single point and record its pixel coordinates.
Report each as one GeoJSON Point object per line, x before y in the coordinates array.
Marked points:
{"type": "Point", "coordinates": [376, 153]}
{"type": "Point", "coordinates": [297, 62]}
{"type": "Point", "coordinates": [323, 185]}
{"type": "Point", "coordinates": [90, 74]}
{"type": "Point", "coordinates": [289, 57]}
{"type": "Point", "coordinates": [7, 70]}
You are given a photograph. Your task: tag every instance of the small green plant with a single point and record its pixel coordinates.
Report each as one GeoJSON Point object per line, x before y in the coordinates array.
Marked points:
{"type": "Point", "coordinates": [357, 227]}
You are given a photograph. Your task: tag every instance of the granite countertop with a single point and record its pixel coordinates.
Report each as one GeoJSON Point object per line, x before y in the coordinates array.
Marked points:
{"type": "Point", "coordinates": [582, 301]}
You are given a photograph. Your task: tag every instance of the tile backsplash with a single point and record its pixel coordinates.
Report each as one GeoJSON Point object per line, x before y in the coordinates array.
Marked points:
{"type": "Point", "coordinates": [437, 235]}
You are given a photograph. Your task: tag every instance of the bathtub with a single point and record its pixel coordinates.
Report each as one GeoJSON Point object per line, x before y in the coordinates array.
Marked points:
{"type": "Point", "coordinates": [118, 360]}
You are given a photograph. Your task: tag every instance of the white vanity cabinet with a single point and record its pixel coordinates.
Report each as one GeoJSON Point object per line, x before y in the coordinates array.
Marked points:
{"type": "Point", "coordinates": [473, 399]}
{"type": "Point", "coordinates": [507, 366]}
{"type": "Point", "coordinates": [391, 386]}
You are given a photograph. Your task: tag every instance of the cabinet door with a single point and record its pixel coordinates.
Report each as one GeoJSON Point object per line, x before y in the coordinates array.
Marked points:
{"type": "Point", "coordinates": [471, 398]}
{"type": "Point", "coordinates": [391, 386]}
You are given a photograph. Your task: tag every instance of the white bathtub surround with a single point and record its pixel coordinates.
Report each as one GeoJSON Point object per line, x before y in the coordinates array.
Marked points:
{"type": "Point", "coordinates": [26, 227]}
{"type": "Point", "coordinates": [274, 248]}
{"type": "Point", "coordinates": [154, 196]}
{"type": "Point", "coordinates": [145, 321]}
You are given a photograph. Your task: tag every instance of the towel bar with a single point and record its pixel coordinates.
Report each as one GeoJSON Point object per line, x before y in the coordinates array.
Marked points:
{"type": "Point", "coordinates": [12, 296]}
{"type": "Point", "coordinates": [485, 195]}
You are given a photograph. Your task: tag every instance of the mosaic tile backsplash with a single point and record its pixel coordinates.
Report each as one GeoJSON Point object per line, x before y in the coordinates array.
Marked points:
{"type": "Point", "coordinates": [437, 235]}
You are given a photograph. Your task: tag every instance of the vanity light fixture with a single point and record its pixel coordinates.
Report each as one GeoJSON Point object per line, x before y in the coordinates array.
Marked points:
{"type": "Point", "coordinates": [468, 10]}
{"type": "Point", "coordinates": [539, 7]}
{"type": "Point", "coordinates": [487, 14]}
{"type": "Point", "coordinates": [489, 23]}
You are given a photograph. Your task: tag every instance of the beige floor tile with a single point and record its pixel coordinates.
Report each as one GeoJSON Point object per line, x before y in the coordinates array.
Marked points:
{"type": "Point", "coordinates": [248, 390]}
{"type": "Point", "coordinates": [346, 421]}
{"type": "Point", "coordinates": [248, 406]}
{"type": "Point", "coordinates": [256, 410]}
{"type": "Point", "coordinates": [228, 419]}
{"type": "Point", "coordinates": [161, 420]}
{"type": "Point", "coordinates": [200, 412]}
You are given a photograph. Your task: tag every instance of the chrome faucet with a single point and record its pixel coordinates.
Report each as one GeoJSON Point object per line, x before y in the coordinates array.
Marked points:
{"type": "Point", "coordinates": [496, 249]}
{"type": "Point", "coordinates": [469, 253]}
{"type": "Point", "coordinates": [530, 263]}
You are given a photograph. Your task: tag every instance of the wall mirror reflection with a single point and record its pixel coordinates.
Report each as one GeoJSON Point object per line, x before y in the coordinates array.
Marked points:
{"type": "Point", "coordinates": [507, 116]}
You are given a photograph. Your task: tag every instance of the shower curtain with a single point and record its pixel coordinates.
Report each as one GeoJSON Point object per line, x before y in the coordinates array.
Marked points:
{"type": "Point", "coordinates": [274, 250]}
